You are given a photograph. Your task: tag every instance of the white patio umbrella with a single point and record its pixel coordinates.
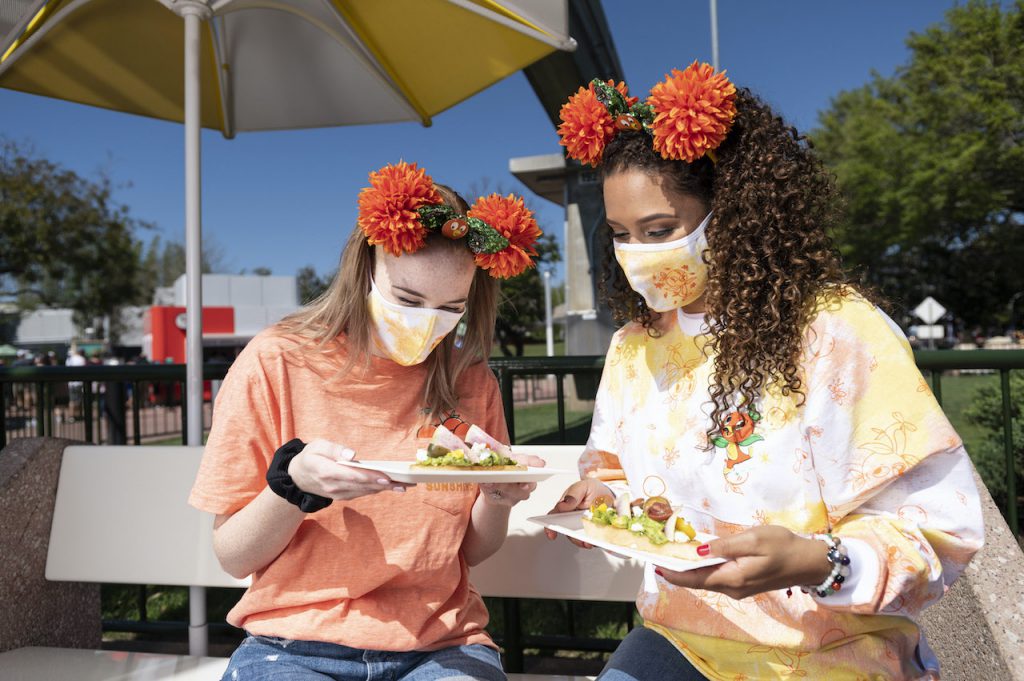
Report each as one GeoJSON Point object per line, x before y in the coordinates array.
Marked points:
{"type": "Point", "coordinates": [254, 65]}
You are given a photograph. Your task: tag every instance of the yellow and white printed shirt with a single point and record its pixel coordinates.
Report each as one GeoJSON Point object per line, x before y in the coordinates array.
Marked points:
{"type": "Point", "coordinates": [869, 454]}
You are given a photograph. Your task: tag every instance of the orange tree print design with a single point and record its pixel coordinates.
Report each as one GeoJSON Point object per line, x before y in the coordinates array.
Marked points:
{"type": "Point", "coordinates": [790, 660]}
{"type": "Point", "coordinates": [737, 431]}
{"type": "Point", "coordinates": [885, 455]}
{"type": "Point", "coordinates": [678, 378]}
{"type": "Point", "coordinates": [679, 282]}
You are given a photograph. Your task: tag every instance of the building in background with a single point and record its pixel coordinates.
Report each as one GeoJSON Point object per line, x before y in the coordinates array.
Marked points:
{"type": "Point", "coordinates": [235, 308]}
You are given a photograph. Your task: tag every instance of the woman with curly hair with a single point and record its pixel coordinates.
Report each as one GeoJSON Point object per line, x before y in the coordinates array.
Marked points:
{"type": "Point", "coordinates": [355, 575]}
{"type": "Point", "coordinates": [759, 395]}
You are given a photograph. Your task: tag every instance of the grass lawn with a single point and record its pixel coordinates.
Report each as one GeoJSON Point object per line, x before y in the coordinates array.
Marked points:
{"type": "Point", "coordinates": [957, 395]}
{"type": "Point", "coordinates": [538, 425]}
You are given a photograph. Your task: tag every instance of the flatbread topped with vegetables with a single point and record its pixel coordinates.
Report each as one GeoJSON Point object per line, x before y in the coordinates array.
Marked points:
{"type": "Point", "coordinates": [479, 451]}
{"type": "Point", "coordinates": [650, 525]}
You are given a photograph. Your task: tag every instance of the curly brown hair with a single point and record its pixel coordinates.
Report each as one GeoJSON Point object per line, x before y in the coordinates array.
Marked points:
{"type": "Point", "coordinates": [769, 255]}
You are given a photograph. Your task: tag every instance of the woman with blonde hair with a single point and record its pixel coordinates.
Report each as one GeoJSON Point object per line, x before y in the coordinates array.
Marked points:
{"type": "Point", "coordinates": [353, 574]}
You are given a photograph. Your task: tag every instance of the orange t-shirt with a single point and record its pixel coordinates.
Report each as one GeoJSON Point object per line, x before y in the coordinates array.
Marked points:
{"type": "Point", "coordinates": [382, 572]}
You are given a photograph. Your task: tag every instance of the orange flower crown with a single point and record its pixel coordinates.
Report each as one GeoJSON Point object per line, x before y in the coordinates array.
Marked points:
{"type": "Point", "coordinates": [401, 207]}
{"type": "Point", "coordinates": [688, 115]}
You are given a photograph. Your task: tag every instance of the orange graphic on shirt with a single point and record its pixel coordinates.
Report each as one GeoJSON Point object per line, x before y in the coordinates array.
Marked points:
{"type": "Point", "coordinates": [452, 423]}
{"type": "Point", "coordinates": [885, 456]}
{"type": "Point", "coordinates": [790, 659]}
{"type": "Point", "coordinates": [678, 377]}
{"type": "Point", "coordinates": [837, 390]}
{"type": "Point", "coordinates": [737, 431]}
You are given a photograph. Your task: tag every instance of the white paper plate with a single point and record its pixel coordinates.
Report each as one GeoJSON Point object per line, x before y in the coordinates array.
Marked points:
{"type": "Point", "coordinates": [571, 525]}
{"type": "Point", "coordinates": [404, 471]}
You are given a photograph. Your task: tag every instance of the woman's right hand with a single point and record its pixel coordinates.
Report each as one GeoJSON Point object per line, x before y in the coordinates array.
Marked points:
{"type": "Point", "coordinates": [319, 469]}
{"type": "Point", "coordinates": [579, 495]}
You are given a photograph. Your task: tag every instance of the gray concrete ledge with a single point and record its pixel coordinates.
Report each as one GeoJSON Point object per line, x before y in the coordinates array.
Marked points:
{"type": "Point", "coordinates": [977, 629]}
{"type": "Point", "coordinates": [33, 611]}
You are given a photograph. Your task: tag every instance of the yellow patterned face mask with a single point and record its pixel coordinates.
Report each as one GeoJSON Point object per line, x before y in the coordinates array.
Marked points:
{"type": "Point", "coordinates": [668, 275]}
{"type": "Point", "coordinates": [407, 335]}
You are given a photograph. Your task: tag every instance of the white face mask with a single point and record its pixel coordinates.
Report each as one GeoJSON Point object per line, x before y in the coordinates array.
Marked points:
{"type": "Point", "coordinates": [668, 275]}
{"type": "Point", "coordinates": [407, 335]}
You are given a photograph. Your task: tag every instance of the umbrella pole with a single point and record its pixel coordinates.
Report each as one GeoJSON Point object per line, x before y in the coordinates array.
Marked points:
{"type": "Point", "coordinates": [193, 14]}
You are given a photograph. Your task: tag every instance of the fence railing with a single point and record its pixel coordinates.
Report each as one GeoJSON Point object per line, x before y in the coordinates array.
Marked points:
{"type": "Point", "coordinates": [93, 403]}
{"type": "Point", "coordinates": [933, 362]}
{"type": "Point", "coordinates": [42, 401]}
{"type": "Point", "coordinates": [1003, 361]}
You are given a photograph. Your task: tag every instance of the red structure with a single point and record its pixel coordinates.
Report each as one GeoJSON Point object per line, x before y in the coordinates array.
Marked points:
{"type": "Point", "coordinates": [164, 330]}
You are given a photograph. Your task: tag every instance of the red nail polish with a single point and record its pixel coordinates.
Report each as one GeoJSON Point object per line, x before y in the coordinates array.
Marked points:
{"type": "Point", "coordinates": [659, 572]}
{"type": "Point", "coordinates": [703, 549]}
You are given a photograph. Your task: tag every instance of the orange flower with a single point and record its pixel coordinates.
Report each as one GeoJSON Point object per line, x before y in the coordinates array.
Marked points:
{"type": "Point", "coordinates": [693, 112]}
{"type": "Point", "coordinates": [586, 127]}
{"type": "Point", "coordinates": [514, 221]}
{"type": "Point", "coordinates": [387, 208]}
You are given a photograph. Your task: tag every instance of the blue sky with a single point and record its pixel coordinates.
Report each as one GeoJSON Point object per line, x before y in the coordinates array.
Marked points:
{"type": "Point", "coordinates": [288, 199]}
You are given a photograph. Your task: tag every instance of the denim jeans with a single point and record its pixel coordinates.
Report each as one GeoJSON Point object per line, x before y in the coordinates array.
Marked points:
{"type": "Point", "coordinates": [646, 655]}
{"type": "Point", "coordinates": [267, 658]}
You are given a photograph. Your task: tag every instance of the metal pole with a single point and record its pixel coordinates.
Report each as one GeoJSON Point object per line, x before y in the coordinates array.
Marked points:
{"type": "Point", "coordinates": [193, 15]}
{"type": "Point", "coordinates": [193, 231]}
{"type": "Point", "coordinates": [549, 330]}
{"type": "Point", "coordinates": [714, 34]}
{"type": "Point", "coordinates": [1008, 449]}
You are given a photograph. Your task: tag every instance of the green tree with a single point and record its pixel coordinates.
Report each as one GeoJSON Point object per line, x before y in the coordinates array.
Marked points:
{"type": "Point", "coordinates": [931, 164]}
{"type": "Point", "coordinates": [164, 261]}
{"type": "Point", "coordinates": [310, 284]}
{"type": "Point", "coordinates": [66, 243]}
{"type": "Point", "coordinates": [989, 456]}
{"type": "Point", "coordinates": [521, 311]}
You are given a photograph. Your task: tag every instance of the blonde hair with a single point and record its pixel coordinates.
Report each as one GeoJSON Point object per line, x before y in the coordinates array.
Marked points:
{"type": "Point", "coordinates": [343, 309]}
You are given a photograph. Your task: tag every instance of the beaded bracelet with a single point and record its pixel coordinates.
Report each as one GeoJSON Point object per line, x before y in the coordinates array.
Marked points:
{"type": "Point", "coordinates": [839, 558]}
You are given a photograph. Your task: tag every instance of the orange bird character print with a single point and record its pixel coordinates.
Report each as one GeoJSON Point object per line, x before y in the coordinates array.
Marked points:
{"type": "Point", "coordinates": [453, 423]}
{"type": "Point", "coordinates": [737, 431]}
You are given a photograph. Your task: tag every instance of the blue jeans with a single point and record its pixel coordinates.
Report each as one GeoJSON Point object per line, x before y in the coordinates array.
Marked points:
{"type": "Point", "coordinates": [646, 655]}
{"type": "Point", "coordinates": [267, 658]}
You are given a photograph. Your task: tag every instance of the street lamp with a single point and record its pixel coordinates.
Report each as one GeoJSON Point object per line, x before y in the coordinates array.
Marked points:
{"type": "Point", "coordinates": [549, 331]}
{"type": "Point", "coordinates": [714, 34]}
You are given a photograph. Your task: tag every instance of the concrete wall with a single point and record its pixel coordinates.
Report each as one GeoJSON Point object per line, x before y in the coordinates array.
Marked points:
{"type": "Point", "coordinates": [977, 629]}
{"type": "Point", "coordinates": [33, 611]}
{"type": "Point", "coordinates": [230, 290]}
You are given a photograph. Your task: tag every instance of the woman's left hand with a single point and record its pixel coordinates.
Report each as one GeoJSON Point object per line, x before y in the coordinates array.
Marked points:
{"type": "Point", "coordinates": [511, 493]}
{"type": "Point", "coordinates": [759, 559]}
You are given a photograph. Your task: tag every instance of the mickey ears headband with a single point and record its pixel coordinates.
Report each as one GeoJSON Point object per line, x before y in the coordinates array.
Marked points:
{"type": "Point", "coordinates": [401, 207]}
{"type": "Point", "coordinates": [688, 115]}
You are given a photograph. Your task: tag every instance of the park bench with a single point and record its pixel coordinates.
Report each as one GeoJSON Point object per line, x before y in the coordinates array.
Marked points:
{"type": "Point", "coordinates": [140, 530]}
